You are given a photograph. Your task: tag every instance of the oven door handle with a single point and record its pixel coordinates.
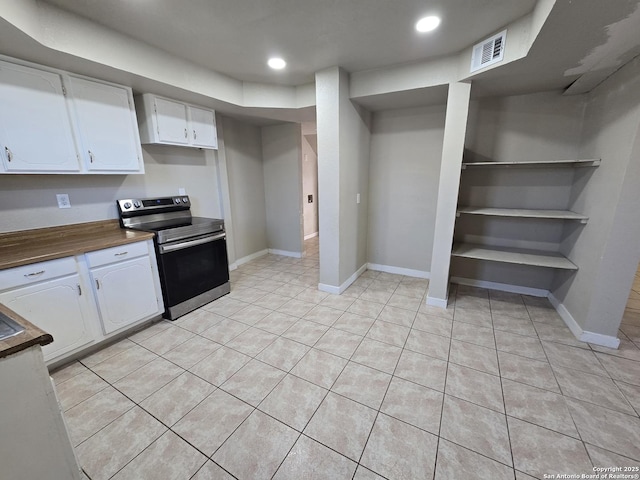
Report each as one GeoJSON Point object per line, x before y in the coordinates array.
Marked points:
{"type": "Point", "coordinates": [191, 243]}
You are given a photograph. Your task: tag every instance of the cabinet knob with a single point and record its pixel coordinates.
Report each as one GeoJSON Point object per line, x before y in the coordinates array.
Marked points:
{"type": "Point", "coordinates": [9, 154]}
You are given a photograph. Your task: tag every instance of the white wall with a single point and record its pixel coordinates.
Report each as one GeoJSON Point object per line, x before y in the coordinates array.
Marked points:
{"type": "Point", "coordinates": [29, 201]}
{"type": "Point", "coordinates": [608, 249]}
{"type": "Point", "coordinates": [243, 149]}
{"type": "Point", "coordinates": [281, 152]}
{"type": "Point", "coordinates": [310, 183]}
{"type": "Point", "coordinates": [406, 148]}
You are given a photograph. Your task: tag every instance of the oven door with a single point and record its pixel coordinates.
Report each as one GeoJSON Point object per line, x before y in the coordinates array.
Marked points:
{"type": "Point", "coordinates": [191, 267]}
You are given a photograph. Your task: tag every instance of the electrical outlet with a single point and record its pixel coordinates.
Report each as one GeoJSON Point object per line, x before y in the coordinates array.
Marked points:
{"type": "Point", "coordinates": [63, 200]}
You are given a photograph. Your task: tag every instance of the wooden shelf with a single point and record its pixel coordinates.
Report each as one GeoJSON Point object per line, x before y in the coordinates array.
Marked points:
{"type": "Point", "coordinates": [516, 256]}
{"type": "Point", "coordinates": [523, 213]}
{"type": "Point", "coordinates": [593, 162]}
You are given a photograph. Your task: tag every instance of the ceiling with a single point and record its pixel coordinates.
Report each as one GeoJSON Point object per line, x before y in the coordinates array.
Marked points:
{"type": "Point", "coordinates": [236, 37]}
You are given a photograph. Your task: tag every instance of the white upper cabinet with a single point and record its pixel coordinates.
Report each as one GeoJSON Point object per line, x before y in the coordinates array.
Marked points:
{"type": "Point", "coordinates": [169, 122]}
{"type": "Point", "coordinates": [35, 129]}
{"type": "Point", "coordinates": [107, 128]}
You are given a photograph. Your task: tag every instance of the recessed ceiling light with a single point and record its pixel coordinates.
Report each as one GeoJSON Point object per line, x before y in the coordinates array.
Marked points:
{"type": "Point", "coordinates": [427, 24]}
{"type": "Point", "coordinates": [277, 63]}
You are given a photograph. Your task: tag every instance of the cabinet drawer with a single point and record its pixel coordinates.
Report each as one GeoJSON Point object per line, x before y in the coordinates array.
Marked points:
{"type": "Point", "coordinates": [37, 272]}
{"type": "Point", "coordinates": [117, 254]}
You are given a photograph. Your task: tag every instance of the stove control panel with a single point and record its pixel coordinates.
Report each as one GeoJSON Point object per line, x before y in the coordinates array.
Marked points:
{"type": "Point", "coordinates": [149, 205]}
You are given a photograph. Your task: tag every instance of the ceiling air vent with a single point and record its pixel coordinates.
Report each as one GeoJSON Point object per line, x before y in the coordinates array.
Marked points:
{"type": "Point", "coordinates": [488, 51]}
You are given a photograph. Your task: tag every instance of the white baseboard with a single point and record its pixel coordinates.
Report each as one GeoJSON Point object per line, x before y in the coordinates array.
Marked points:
{"type": "Point", "coordinates": [408, 272]}
{"type": "Point", "coordinates": [437, 302]}
{"type": "Point", "coordinates": [311, 235]}
{"type": "Point", "coordinates": [233, 266]}
{"type": "Point", "coordinates": [582, 335]}
{"type": "Point", "coordinates": [338, 290]}
{"type": "Point", "coordinates": [503, 287]}
{"type": "Point", "coordinates": [248, 258]}
{"type": "Point", "coordinates": [285, 253]}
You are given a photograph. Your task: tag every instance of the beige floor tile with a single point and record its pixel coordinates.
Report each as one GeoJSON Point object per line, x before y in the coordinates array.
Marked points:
{"type": "Point", "coordinates": [70, 370]}
{"type": "Point", "coordinates": [428, 344]}
{"type": "Point", "coordinates": [271, 301]}
{"type": "Point", "coordinates": [519, 326]}
{"type": "Point", "coordinates": [226, 306]}
{"type": "Point", "coordinates": [437, 311]}
{"type": "Point", "coordinates": [342, 425]}
{"type": "Point", "coordinates": [475, 386]}
{"type": "Point", "coordinates": [225, 331]}
{"type": "Point", "coordinates": [150, 330]}
{"type": "Point", "coordinates": [470, 302]}
{"type": "Point", "coordinates": [312, 295]}
{"type": "Point", "coordinates": [524, 370]}
{"type": "Point", "coordinates": [208, 425]}
{"type": "Point", "coordinates": [538, 451]}
{"type": "Point", "coordinates": [477, 428]}
{"type": "Point", "coordinates": [627, 349]}
{"type": "Point", "coordinates": [410, 290]}
{"type": "Point", "coordinates": [466, 332]}
{"type": "Point", "coordinates": [319, 367]}
{"type": "Point", "coordinates": [363, 473]}
{"type": "Point", "coordinates": [592, 388]}
{"type": "Point", "coordinates": [365, 308]}
{"type": "Point", "coordinates": [211, 471]}
{"type": "Point", "coordinates": [268, 285]}
{"type": "Point", "coordinates": [376, 295]}
{"type": "Point", "coordinates": [251, 314]}
{"type": "Point", "coordinates": [433, 324]}
{"type": "Point", "coordinates": [529, 347]}
{"type": "Point", "coordinates": [403, 301]}
{"type": "Point", "coordinates": [293, 401]}
{"type": "Point", "coordinates": [324, 315]}
{"type": "Point", "coordinates": [306, 332]}
{"type": "Point", "coordinates": [510, 308]}
{"type": "Point", "coordinates": [309, 459]}
{"type": "Point", "coordinates": [256, 448]}
{"type": "Point", "coordinates": [106, 452]}
{"type": "Point", "coordinates": [606, 428]}
{"type": "Point", "coordinates": [246, 294]}
{"type": "Point", "coordinates": [399, 316]}
{"type": "Point", "coordinates": [398, 450]}
{"type": "Point", "coordinates": [106, 353]}
{"type": "Point", "coordinates": [283, 353]}
{"type": "Point", "coordinates": [187, 354]}
{"type": "Point", "coordinates": [338, 302]}
{"type": "Point", "coordinates": [297, 308]}
{"type": "Point", "coordinates": [122, 364]}
{"type": "Point", "coordinates": [198, 321]}
{"type": "Point", "coordinates": [166, 340]}
{"type": "Point", "coordinates": [544, 314]}
{"type": "Point", "coordinates": [148, 379]}
{"type": "Point", "coordinates": [422, 369]}
{"type": "Point", "coordinates": [338, 342]}
{"type": "Point", "coordinates": [573, 357]}
{"type": "Point", "coordinates": [353, 292]}
{"type": "Point", "coordinates": [604, 458]}
{"type": "Point", "coordinates": [474, 356]}
{"type": "Point", "coordinates": [78, 388]}
{"type": "Point", "coordinates": [414, 404]}
{"type": "Point", "coordinates": [218, 367]}
{"type": "Point", "coordinates": [631, 393]}
{"type": "Point", "coordinates": [276, 323]}
{"type": "Point", "coordinates": [378, 355]}
{"type": "Point", "coordinates": [353, 323]}
{"type": "Point", "coordinates": [455, 461]}
{"type": "Point", "coordinates": [252, 341]}
{"type": "Point", "coordinates": [169, 458]}
{"type": "Point", "coordinates": [534, 405]}
{"type": "Point", "coordinates": [253, 382]}
{"type": "Point", "coordinates": [177, 398]}
{"type": "Point", "coordinates": [362, 384]}
{"type": "Point", "coordinates": [523, 476]}
{"type": "Point", "coordinates": [390, 333]}
{"type": "Point", "coordinates": [96, 412]}
{"type": "Point", "coordinates": [622, 369]}
{"type": "Point", "coordinates": [480, 317]}
{"type": "Point", "coordinates": [557, 334]}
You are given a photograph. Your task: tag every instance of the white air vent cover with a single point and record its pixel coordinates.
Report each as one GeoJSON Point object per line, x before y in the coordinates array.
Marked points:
{"type": "Point", "coordinates": [488, 52]}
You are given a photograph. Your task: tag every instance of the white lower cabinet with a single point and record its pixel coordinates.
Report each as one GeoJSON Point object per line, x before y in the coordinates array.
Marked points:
{"type": "Point", "coordinates": [58, 307]}
{"type": "Point", "coordinates": [85, 299]}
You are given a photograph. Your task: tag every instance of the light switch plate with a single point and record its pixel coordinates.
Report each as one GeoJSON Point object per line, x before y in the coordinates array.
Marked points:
{"type": "Point", "coordinates": [182, 191]}
{"type": "Point", "coordinates": [63, 200]}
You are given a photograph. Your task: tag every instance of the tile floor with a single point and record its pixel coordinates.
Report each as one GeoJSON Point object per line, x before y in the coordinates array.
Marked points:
{"type": "Point", "coordinates": [279, 380]}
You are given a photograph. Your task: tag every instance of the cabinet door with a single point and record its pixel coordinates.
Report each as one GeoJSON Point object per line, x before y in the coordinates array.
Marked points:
{"type": "Point", "coordinates": [203, 128]}
{"type": "Point", "coordinates": [171, 118]}
{"type": "Point", "coordinates": [58, 308]}
{"type": "Point", "coordinates": [107, 126]}
{"type": "Point", "coordinates": [126, 293]}
{"type": "Point", "coordinates": [35, 129]}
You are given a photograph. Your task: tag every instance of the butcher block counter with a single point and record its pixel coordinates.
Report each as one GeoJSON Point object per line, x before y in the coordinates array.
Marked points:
{"type": "Point", "coordinates": [33, 246]}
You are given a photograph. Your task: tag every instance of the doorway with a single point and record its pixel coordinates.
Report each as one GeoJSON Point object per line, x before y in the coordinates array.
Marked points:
{"type": "Point", "coordinates": [309, 207]}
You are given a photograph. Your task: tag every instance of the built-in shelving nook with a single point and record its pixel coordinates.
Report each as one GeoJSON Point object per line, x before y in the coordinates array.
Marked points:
{"type": "Point", "coordinates": [512, 219]}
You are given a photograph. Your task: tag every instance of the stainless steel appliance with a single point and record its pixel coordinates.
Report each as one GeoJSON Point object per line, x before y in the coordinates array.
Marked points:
{"type": "Point", "coordinates": [191, 251]}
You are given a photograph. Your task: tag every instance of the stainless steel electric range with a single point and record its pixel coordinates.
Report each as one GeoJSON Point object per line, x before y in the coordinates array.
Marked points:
{"type": "Point", "coordinates": [191, 251]}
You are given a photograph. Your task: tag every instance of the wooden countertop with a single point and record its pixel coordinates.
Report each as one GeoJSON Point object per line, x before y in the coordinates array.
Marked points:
{"type": "Point", "coordinates": [42, 244]}
{"type": "Point", "coordinates": [31, 336]}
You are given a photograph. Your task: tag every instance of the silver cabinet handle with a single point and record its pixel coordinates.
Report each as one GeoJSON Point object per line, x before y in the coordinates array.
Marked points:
{"type": "Point", "coordinates": [79, 290]}
{"type": "Point", "coordinates": [9, 154]}
{"type": "Point", "coordinates": [185, 133]}
{"type": "Point", "coordinates": [34, 274]}
{"type": "Point", "coordinates": [120, 254]}
{"type": "Point", "coordinates": [91, 156]}
{"type": "Point", "coordinates": [97, 284]}
{"type": "Point", "coordinates": [195, 135]}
